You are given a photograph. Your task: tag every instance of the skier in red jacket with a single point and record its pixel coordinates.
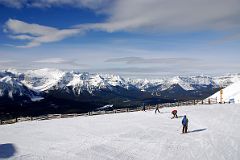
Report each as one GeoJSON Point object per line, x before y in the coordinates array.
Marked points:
{"type": "Point", "coordinates": [174, 112]}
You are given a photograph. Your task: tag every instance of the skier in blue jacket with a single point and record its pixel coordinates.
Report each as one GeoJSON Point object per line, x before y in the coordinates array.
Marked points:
{"type": "Point", "coordinates": [185, 124]}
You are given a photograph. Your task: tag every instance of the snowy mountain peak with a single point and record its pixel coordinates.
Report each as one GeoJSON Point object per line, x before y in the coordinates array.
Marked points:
{"type": "Point", "coordinates": [42, 79]}
{"type": "Point", "coordinates": [175, 80]}
{"type": "Point", "coordinates": [185, 83]}
{"type": "Point", "coordinates": [97, 81]}
{"type": "Point", "coordinates": [76, 80]}
{"type": "Point", "coordinates": [11, 87]}
{"type": "Point", "coordinates": [115, 80]}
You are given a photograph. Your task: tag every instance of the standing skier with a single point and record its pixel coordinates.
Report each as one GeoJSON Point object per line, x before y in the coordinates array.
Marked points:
{"type": "Point", "coordinates": [185, 124]}
{"type": "Point", "coordinates": [144, 108]}
{"type": "Point", "coordinates": [174, 112]}
{"type": "Point", "coordinates": [157, 109]}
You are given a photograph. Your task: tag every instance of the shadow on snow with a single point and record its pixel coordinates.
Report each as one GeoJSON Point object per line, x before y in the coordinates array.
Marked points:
{"type": "Point", "coordinates": [197, 130]}
{"type": "Point", "coordinates": [7, 150]}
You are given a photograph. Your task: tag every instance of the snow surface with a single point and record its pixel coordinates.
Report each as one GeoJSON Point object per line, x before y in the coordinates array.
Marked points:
{"type": "Point", "coordinates": [230, 92]}
{"type": "Point", "coordinates": [214, 135]}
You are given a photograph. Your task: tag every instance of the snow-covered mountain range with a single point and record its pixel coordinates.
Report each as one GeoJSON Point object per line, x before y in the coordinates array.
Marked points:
{"type": "Point", "coordinates": [45, 80]}
{"type": "Point", "coordinates": [45, 91]}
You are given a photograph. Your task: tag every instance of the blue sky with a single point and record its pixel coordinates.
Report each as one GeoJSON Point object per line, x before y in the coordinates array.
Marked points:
{"type": "Point", "coordinates": [150, 39]}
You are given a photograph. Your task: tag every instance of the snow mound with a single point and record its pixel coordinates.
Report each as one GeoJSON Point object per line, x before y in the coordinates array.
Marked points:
{"type": "Point", "coordinates": [230, 93]}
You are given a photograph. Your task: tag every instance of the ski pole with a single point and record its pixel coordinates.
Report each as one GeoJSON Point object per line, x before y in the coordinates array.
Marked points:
{"type": "Point", "coordinates": [179, 128]}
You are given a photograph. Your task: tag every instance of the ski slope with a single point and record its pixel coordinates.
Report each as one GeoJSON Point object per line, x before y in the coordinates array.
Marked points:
{"type": "Point", "coordinates": [214, 135]}
{"type": "Point", "coordinates": [230, 92]}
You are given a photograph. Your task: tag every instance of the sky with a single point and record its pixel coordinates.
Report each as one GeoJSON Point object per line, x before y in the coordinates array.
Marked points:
{"type": "Point", "coordinates": [131, 38]}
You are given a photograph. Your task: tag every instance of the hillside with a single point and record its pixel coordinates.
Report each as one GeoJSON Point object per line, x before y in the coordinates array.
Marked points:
{"type": "Point", "coordinates": [214, 134]}
{"type": "Point", "coordinates": [230, 93]}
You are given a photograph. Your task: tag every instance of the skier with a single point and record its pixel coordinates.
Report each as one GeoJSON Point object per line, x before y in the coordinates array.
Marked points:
{"type": "Point", "coordinates": [174, 112]}
{"type": "Point", "coordinates": [157, 109]}
{"type": "Point", "coordinates": [144, 108]}
{"type": "Point", "coordinates": [185, 124]}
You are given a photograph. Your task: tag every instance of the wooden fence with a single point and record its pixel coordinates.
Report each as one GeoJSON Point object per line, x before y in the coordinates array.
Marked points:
{"type": "Point", "coordinates": [122, 110]}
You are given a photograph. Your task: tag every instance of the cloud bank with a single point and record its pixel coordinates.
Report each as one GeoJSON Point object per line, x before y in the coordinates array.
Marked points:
{"type": "Point", "coordinates": [131, 16]}
{"type": "Point", "coordinates": [174, 15]}
{"type": "Point", "coordinates": [59, 61]}
{"type": "Point", "coordinates": [140, 60]}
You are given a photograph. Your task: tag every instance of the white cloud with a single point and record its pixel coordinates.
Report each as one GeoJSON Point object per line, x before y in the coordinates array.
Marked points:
{"type": "Point", "coordinates": [59, 61]}
{"type": "Point", "coordinates": [13, 3]}
{"type": "Point", "coordinates": [6, 61]}
{"type": "Point", "coordinates": [51, 60]}
{"type": "Point", "coordinates": [173, 15]}
{"type": "Point", "coordinates": [36, 34]}
{"type": "Point", "coordinates": [21, 37]}
{"type": "Point", "coordinates": [92, 4]}
{"type": "Point", "coordinates": [141, 60]}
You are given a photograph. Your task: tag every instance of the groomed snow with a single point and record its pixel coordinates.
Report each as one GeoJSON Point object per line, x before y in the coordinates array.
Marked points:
{"type": "Point", "coordinates": [214, 135]}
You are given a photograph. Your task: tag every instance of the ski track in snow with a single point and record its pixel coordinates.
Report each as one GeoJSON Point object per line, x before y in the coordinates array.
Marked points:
{"type": "Point", "coordinates": [214, 135]}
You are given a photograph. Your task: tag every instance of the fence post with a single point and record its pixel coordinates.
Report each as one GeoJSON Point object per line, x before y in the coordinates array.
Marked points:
{"type": "Point", "coordinates": [202, 101]}
{"type": "Point", "coordinates": [194, 102]}
{"type": "Point", "coordinates": [0, 122]}
{"type": "Point", "coordinates": [209, 102]}
{"type": "Point", "coordinates": [16, 119]}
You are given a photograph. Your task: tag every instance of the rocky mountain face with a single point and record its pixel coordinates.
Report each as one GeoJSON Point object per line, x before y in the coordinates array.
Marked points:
{"type": "Point", "coordinates": [51, 90]}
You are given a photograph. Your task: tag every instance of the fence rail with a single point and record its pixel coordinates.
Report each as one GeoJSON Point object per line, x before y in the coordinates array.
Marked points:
{"type": "Point", "coordinates": [122, 110]}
